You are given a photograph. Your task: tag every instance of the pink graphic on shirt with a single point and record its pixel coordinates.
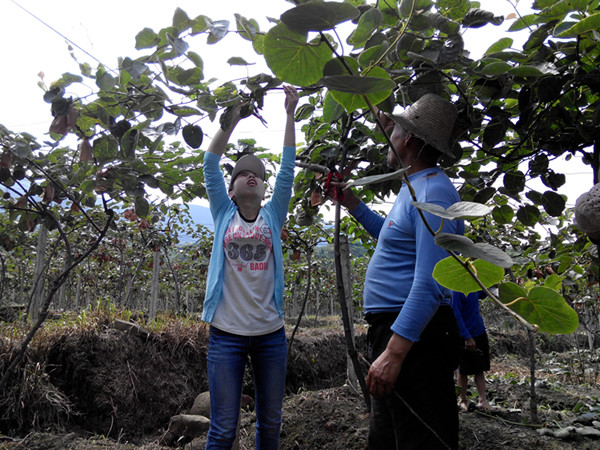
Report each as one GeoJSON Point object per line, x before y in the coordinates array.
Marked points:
{"type": "Point", "coordinates": [248, 247]}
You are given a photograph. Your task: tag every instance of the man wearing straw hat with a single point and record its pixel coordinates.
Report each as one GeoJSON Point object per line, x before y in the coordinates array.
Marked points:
{"type": "Point", "coordinates": [413, 338]}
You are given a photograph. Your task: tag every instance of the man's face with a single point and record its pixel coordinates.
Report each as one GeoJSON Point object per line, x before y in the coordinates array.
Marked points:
{"type": "Point", "coordinates": [398, 138]}
{"type": "Point", "coordinates": [248, 185]}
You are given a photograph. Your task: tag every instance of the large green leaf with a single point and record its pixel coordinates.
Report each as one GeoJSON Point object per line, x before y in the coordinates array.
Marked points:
{"type": "Point", "coordinates": [459, 210]}
{"type": "Point", "coordinates": [368, 23]}
{"type": "Point", "coordinates": [528, 215]}
{"type": "Point", "coordinates": [477, 18]}
{"type": "Point", "coordinates": [589, 24]}
{"type": "Point", "coordinates": [355, 84]}
{"type": "Point", "coordinates": [105, 148]}
{"type": "Point", "coordinates": [514, 181]}
{"type": "Point", "coordinates": [135, 68]}
{"type": "Point", "coordinates": [218, 30]}
{"type": "Point", "coordinates": [523, 22]}
{"type": "Point", "coordinates": [332, 110]}
{"type": "Point", "coordinates": [540, 306]}
{"type": "Point", "coordinates": [372, 54]}
{"type": "Point", "coordinates": [500, 45]}
{"type": "Point", "coordinates": [146, 38]}
{"type": "Point", "coordinates": [496, 68]}
{"type": "Point", "coordinates": [129, 143]}
{"type": "Point", "coordinates": [443, 24]}
{"type": "Point", "coordinates": [142, 208]}
{"type": "Point", "coordinates": [468, 249]}
{"type": "Point", "coordinates": [484, 195]}
{"type": "Point", "coordinates": [193, 135]}
{"type": "Point", "coordinates": [181, 21]}
{"type": "Point", "coordinates": [292, 58]}
{"type": "Point", "coordinates": [553, 203]}
{"type": "Point", "coordinates": [503, 214]}
{"type": "Point", "coordinates": [452, 275]}
{"type": "Point", "coordinates": [247, 28]}
{"type": "Point", "coordinates": [348, 90]}
{"type": "Point", "coordinates": [561, 8]}
{"type": "Point", "coordinates": [318, 16]}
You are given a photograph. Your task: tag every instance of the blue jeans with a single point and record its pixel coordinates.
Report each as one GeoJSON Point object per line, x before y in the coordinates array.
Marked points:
{"type": "Point", "coordinates": [227, 356]}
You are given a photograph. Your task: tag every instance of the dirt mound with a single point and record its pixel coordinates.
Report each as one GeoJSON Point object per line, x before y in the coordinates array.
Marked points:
{"type": "Point", "coordinates": [118, 390]}
{"type": "Point", "coordinates": [129, 384]}
{"type": "Point", "coordinates": [125, 383]}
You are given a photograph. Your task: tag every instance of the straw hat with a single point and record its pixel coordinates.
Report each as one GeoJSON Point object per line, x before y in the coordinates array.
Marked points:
{"type": "Point", "coordinates": [431, 118]}
{"type": "Point", "coordinates": [248, 162]}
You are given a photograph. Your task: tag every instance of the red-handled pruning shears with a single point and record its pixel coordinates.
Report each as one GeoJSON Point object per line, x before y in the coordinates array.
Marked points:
{"type": "Point", "coordinates": [338, 195]}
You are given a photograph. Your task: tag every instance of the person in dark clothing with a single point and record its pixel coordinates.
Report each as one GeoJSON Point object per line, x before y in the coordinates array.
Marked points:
{"type": "Point", "coordinates": [475, 358]}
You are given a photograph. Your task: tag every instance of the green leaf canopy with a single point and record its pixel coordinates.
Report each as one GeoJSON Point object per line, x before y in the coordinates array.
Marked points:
{"type": "Point", "coordinates": [318, 16]}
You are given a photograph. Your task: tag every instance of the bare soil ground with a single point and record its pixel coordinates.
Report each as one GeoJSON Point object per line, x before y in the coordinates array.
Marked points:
{"type": "Point", "coordinates": [104, 388]}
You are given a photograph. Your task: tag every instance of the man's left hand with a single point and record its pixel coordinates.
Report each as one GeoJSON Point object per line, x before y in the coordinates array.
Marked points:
{"type": "Point", "coordinates": [384, 371]}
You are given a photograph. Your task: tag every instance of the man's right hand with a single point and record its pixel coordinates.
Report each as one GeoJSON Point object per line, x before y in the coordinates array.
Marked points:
{"type": "Point", "coordinates": [349, 199]}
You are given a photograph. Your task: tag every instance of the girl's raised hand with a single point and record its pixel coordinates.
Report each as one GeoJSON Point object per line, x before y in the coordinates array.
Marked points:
{"type": "Point", "coordinates": [291, 99]}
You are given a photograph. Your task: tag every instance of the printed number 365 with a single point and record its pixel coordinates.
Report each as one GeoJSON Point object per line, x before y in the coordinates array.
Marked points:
{"type": "Point", "coordinates": [247, 252]}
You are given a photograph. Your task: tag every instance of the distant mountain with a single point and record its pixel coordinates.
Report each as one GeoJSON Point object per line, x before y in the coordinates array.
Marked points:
{"type": "Point", "coordinates": [201, 216]}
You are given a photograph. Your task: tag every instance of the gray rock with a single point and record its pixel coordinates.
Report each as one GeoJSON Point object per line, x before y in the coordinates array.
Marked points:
{"type": "Point", "coordinates": [184, 428]}
{"type": "Point", "coordinates": [589, 432]}
{"type": "Point", "coordinates": [201, 405]}
{"type": "Point", "coordinates": [129, 327]}
{"type": "Point", "coordinates": [565, 433]}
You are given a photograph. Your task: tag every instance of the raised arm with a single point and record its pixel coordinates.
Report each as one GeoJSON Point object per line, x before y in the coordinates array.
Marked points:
{"type": "Point", "coordinates": [291, 100]}
{"type": "Point", "coordinates": [221, 137]}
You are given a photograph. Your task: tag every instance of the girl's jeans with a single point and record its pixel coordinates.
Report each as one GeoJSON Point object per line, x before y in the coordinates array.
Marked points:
{"type": "Point", "coordinates": [227, 356]}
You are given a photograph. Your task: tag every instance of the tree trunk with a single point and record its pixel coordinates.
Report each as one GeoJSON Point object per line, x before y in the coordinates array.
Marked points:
{"type": "Point", "coordinates": [154, 287]}
{"type": "Point", "coordinates": [344, 309]}
{"type": "Point", "coordinates": [306, 295]}
{"type": "Point", "coordinates": [331, 306]}
{"type": "Point", "coordinates": [78, 292]}
{"type": "Point", "coordinates": [18, 296]}
{"type": "Point", "coordinates": [177, 296]}
{"type": "Point", "coordinates": [317, 294]}
{"type": "Point", "coordinates": [2, 279]}
{"type": "Point", "coordinates": [294, 300]}
{"type": "Point", "coordinates": [533, 398]}
{"type": "Point", "coordinates": [347, 280]}
{"type": "Point", "coordinates": [128, 302]}
{"type": "Point", "coordinates": [38, 274]}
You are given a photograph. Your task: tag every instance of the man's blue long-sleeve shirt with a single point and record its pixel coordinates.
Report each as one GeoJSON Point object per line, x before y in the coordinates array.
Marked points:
{"type": "Point", "coordinates": [399, 276]}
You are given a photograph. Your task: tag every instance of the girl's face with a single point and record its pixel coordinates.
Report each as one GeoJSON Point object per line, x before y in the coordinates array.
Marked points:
{"type": "Point", "coordinates": [248, 185]}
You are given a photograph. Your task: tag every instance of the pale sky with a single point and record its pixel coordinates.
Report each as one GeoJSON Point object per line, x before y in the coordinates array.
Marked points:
{"type": "Point", "coordinates": [107, 29]}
